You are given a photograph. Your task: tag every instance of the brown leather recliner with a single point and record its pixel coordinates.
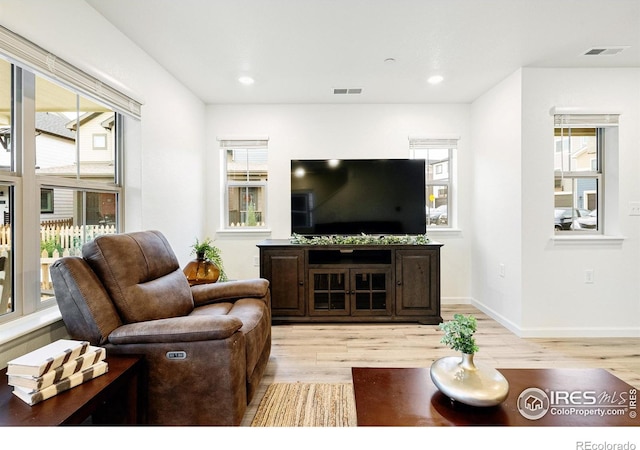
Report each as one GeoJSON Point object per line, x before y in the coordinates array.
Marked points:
{"type": "Point", "coordinates": [206, 346]}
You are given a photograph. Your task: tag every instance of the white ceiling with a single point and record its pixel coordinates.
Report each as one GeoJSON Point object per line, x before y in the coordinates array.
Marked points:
{"type": "Point", "coordinates": [298, 51]}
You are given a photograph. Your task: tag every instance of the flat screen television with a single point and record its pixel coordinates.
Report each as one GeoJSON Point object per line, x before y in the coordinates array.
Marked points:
{"type": "Point", "coordinates": [355, 196]}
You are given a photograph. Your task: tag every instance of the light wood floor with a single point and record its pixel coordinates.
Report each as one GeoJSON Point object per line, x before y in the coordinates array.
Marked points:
{"type": "Point", "coordinates": [325, 353]}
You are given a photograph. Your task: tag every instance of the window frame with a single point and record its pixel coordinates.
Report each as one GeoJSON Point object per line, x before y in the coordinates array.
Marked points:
{"type": "Point", "coordinates": [248, 145]}
{"type": "Point", "coordinates": [599, 123]}
{"type": "Point", "coordinates": [450, 144]}
{"type": "Point", "coordinates": [48, 194]}
{"type": "Point", "coordinates": [99, 141]}
{"type": "Point", "coordinates": [25, 184]}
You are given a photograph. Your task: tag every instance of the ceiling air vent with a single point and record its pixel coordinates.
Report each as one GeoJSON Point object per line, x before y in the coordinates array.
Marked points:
{"type": "Point", "coordinates": [341, 91]}
{"type": "Point", "coordinates": [597, 51]}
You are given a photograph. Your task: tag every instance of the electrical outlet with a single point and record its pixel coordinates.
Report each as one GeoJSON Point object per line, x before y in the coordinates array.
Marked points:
{"type": "Point", "coordinates": [256, 261]}
{"type": "Point", "coordinates": [588, 276]}
{"type": "Point", "coordinates": [634, 208]}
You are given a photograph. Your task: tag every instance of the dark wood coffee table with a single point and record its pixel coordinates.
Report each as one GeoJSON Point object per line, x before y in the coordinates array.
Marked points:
{"type": "Point", "coordinates": [575, 397]}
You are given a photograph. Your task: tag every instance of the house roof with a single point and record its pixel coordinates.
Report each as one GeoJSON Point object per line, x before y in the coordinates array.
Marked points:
{"type": "Point", "coordinates": [55, 124]}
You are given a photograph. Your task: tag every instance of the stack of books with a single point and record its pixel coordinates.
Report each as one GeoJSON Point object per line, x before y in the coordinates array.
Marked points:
{"type": "Point", "coordinates": [55, 368]}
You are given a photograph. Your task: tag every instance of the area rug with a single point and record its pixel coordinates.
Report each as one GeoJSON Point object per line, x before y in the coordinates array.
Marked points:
{"type": "Point", "coordinates": [306, 405]}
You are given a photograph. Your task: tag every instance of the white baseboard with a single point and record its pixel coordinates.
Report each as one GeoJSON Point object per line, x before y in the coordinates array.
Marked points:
{"type": "Point", "coordinates": [577, 332]}
{"type": "Point", "coordinates": [508, 324]}
{"type": "Point", "coordinates": [455, 301]}
{"type": "Point", "coordinates": [557, 332]}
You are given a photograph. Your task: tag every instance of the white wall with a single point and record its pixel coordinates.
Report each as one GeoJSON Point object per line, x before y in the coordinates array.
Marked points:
{"type": "Point", "coordinates": [556, 300]}
{"type": "Point", "coordinates": [543, 292]}
{"type": "Point", "coordinates": [336, 131]}
{"type": "Point", "coordinates": [496, 202]}
{"type": "Point", "coordinates": [163, 169]}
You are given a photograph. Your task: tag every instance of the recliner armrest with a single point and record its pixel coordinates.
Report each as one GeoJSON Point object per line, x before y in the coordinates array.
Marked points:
{"type": "Point", "coordinates": [176, 329]}
{"type": "Point", "coordinates": [229, 290]}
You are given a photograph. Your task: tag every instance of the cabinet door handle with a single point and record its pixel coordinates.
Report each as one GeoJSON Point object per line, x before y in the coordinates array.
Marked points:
{"type": "Point", "coordinates": [301, 283]}
{"type": "Point", "coordinates": [399, 283]}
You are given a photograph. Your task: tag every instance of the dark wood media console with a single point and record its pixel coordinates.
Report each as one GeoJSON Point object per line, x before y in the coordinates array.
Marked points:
{"type": "Point", "coordinates": [352, 283]}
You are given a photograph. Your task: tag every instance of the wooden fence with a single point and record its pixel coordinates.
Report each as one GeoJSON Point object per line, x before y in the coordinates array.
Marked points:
{"type": "Point", "coordinates": [55, 242]}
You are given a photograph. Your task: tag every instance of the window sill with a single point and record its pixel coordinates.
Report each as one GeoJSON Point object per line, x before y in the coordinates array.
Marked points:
{"type": "Point", "coordinates": [244, 231]}
{"type": "Point", "coordinates": [443, 232]}
{"type": "Point", "coordinates": [591, 239]}
{"type": "Point", "coordinates": [28, 324]}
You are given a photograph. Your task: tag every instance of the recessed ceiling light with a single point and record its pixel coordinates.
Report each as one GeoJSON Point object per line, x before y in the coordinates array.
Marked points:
{"type": "Point", "coordinates": [390, 60]}
{"type": "Point", "coordinates": [246, 80]}
{"type": "Point", "coordinates": [435, 79]}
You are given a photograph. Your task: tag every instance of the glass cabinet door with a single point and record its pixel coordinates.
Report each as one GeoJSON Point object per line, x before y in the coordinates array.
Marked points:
{"type": "Point", "coordinates": [329, 293]}
{"type": "Point", "coordinates": [370, 291]}
{"type": "Point", "coordinates": [350, 292]}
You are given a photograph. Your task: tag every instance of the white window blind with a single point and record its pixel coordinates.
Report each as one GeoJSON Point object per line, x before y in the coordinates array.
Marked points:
{"type": "Point", "coordinates": [232, 144]}
{"type": "Point", "coordinates": [585, 120]}
{"type": "Point", "coordinates": [29, 55]}
{"type": "Point", "coordinates": [416, 143]}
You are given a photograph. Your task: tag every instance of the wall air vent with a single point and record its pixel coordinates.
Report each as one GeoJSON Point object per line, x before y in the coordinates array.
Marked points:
{"type": "Point", "coordinates": [342, 91]}
{"type": "Point", "coordinates": [597, 51]}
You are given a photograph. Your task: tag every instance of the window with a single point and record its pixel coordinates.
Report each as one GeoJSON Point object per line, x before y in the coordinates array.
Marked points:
{"type": "Point", "coordinates": [66, 127]}
{"type": "Point", "coordinates": [438, 154]}
{"type": "Point", "coordinates": [246, 175]}
{"type": "Point", "coordinates": [6, 122]}
{"type": "Point", "coordinates": [99, 141]}
{"type": "Point", "coordinates": [48, 133]}
{"type": "Point", "coordinates": [582, 143]}
{"type": "Point", "coordinates": [66, 124]}
{"type": "Point", "coordinates": [46, 200]}
{"type": "Point", "coordinates": [7, 305]}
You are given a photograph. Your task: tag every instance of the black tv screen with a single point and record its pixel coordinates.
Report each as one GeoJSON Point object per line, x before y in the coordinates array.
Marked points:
{"type": "Point", "coordinates": [355, 196]}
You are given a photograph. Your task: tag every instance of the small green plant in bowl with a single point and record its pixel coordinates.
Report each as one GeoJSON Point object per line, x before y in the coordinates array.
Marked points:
{"type": "Point", "coordinates": [459, 377]}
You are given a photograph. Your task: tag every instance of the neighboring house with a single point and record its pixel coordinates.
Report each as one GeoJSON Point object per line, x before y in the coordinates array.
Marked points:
{"type": "Point", "coordinates": [56, 156]}
{"type": "Point", "coordinates": [582, 159]}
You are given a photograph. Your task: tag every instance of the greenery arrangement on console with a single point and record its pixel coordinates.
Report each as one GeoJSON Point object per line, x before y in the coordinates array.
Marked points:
{"type": "Point", "coordinates": [210, 252]}
{"type": "Point", "coordinates": [362, 239]}
{"type": "Point", "coordinates": [458, 333]}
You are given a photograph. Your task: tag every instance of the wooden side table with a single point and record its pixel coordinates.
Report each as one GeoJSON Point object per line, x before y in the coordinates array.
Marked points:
{"type": "Point", "coordinates": [113, 398]}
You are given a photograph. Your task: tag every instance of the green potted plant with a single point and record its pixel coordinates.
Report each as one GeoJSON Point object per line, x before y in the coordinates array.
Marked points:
{"type": "Point", "coordinates": [206, 251]}
{"type": "Point", "coordinates": [252, 220]}
{"type": "Point", "coordinates": [460, 378]}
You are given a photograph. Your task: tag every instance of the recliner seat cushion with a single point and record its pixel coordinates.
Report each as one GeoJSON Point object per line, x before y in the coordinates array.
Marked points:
{"type": "Point", "coordinates": [141, 274]}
